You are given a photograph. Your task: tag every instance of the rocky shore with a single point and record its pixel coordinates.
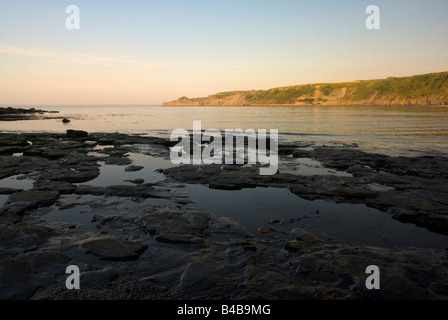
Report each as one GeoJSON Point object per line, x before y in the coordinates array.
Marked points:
{"type": "Point", "coordinates": [142, 240]}
{"type": "Point", "coordinates": [16, 114]}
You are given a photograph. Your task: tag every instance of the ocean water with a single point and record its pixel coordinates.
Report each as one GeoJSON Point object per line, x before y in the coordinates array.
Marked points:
{"type": "Point", "coordinates": [393, 130]}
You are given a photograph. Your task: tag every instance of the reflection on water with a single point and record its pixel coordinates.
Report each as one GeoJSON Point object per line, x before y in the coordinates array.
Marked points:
{"type": "Point", "coordinates": [16, 182]}
{"type": "Point", "coordinates": [391, 129]}
{"type": "Point", "coordinates": [351, 223]}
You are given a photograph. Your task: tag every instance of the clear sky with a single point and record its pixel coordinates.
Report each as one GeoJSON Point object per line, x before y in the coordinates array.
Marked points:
{"type": "Point", "coordinates": [147, 52]}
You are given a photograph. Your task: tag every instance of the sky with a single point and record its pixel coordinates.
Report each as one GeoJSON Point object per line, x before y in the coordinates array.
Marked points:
{"type": "Point", "coordinates": [148, 52]}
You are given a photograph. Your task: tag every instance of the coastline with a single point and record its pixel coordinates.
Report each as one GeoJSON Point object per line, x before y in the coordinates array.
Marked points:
{"type": "Point", "coordinates": [129, 247]}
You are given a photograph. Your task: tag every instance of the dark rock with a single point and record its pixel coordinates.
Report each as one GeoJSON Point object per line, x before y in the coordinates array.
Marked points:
{"type": "Point", "coordinates": [129, 191]}
{"type": "Point", "coordinates": [293, 246]}
{"type": "Point", "coordinates": [92, 190]}
{"type": "Point", "coordinates": [305, 236]}
{"type": "Point", "coordinates": [60, 186]}
{"type": "Point", "coordinates": [22, 238]}
{"type": "Point", "coordinates": [9, 190]}
{"type": "Point", "coordinates": [35, 198]}
{"type": "Point", "coordinates": [133, 168]}
{"type": "Point", "coordinates": [118, 161]}
{"type": "Point", "coordinates": [186, 228]}
{"type": "Point", "coordinates": [98, 279]}
{"type": "Point", "coordinates": [16, 280]}
{"type": "Point", "coordinates": [136, 181]}
{"type": "Point", "coordinates": [265, 230]}
{"type": "Point", "coordinates": [50, 262]}
{"type": "Point", "coordinates": [65, 120]}
{"type": "Point", "coordinates": [75, 176]}
{"type": "Point", "coordinates": [113, 249]}
{"type": "Point", "coordinates": [16, 209]}
{"type": "Point", "coordinates": [76, 134]}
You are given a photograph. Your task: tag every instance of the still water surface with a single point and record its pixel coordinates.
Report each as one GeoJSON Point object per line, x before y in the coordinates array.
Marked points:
{"type": "Point", "coordinates": [393, 130]}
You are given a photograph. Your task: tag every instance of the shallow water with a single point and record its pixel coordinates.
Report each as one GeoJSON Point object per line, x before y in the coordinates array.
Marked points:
{"type": "Point", "coordinates": [254, 208]}
{"type": "Point", "coordinates": [16, 182]}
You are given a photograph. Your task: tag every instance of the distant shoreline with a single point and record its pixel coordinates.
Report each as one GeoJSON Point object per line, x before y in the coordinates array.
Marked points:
{"type": "Point", "coordinates": [420, 90]}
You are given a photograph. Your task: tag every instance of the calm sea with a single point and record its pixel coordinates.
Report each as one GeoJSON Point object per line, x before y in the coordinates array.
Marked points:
{"type": "Point", "coordinates": [394, 130]}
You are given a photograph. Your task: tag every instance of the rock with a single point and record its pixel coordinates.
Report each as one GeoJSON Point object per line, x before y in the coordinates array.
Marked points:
{"type": "Point", "coordinates": [225, 225]}
{"type": "Point", "coordinates": [88, 189]}
{"type": "Point", "coordinates": [187, 228]}
{"type": "Point", "coordinates": [76, 134]}
{"type": "Point", "coordinates": [265, 230]}
{"type": "Point", "coordinates": [135, 181]}
{"type": "Point", "coordinates": [113, 249]}
{"type": "Point", "coordinates": [305, 236]}
{"type": "Point", "coordinates": [129, 191]}
{"type": "Point", "coordinates": [9, 190]}
{"type": "Point", "coordinates": [352, 192]}
{"type": "Point", "coordinates": [16, 209]}
{"type": "Point", "coordinates": [35, 198]}
{"type": "Point", "coordinates": [16, 280]}
{"type": "Point", "coordinates": [65, 120]}
{"type": "Point", "coordinates": [53, 154]}
{"type": "Point", "coordinates": [150, 222]}
{"type": "Point", "coordinates": [198, 277]}
{"type": "Point", "coordinates": [21, 238]}
{"type": "Point", "coordinates": [50, 262]}
{"type": "Point", "coordinates": [60, 186]}
{"type": "Point", "coordinates": [98, 279]}
{"type": "Point", "coordinates": [75, 176]}
{"type": "Point", "coordinates": [293, 246]}
{"type": "Point", "coordinates": [118, 161]}
{"type": "Point", "coordinates": [133, 168]}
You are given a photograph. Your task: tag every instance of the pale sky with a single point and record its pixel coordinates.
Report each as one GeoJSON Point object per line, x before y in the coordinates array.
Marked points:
{"type": "Point", "coordinates": [148, 52]}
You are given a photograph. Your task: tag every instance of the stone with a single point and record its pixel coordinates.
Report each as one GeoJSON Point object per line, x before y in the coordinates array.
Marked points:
{"type": "Point", "coordinates": [118, 161]}
{"type": "Point", "coordinates": [88, 189]}
{"type": "Point", "coordinates": [264, 230]}
{"type": "Point", "coordinates": [16, 209]}
{"type": "Point", "coordinates": [9, 190]}
{"type": "Point", "coordinates": [227, 226]}
{"type": "Point", "coordinates": [35, 198]}
{"type": "Point", "coordinates": [76, 176]}
{"type": "Point", "coordinates": [293, 246]}
{"type": "Point", "coordinates": [60, 186]}
{"type": "Point", "coordinates": [98, 279]}
{"type": "Point", "coordinates": [305, 236]}
{"type": "Point", "coordinates": [129, 191]}
{"type": "Point", "coordinates": [112, 249]}
{"type": "Point", "coordinates": [133, 168]}
{"type": "Point", "coordinates": [76, 134]}
{"type": "Point", "coordinates": [65, 120]}
{"type": "Point", "coordinates": [177, 230]}
{"type": "Point", "coordinates": [135, 181]}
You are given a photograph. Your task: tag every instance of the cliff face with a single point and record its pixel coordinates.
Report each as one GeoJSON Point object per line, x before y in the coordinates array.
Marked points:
{"type": "Point", "coordinates": [428, 89]}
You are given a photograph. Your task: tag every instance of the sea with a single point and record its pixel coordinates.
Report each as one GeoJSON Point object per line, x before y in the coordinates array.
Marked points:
{"type": "Point", "coordinates": [394, 130]}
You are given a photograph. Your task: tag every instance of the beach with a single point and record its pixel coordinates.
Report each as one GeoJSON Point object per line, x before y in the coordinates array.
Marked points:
{"type": "Point", "coordinates": [139, 227]}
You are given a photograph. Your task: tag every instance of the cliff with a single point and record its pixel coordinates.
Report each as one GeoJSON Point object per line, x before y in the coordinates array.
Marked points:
{"type": "Point", "coordinates": [427, 89]}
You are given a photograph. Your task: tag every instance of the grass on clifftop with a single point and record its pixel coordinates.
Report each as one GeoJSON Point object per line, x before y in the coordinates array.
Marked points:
{"type": "Point", "coordinates": [405, 90]}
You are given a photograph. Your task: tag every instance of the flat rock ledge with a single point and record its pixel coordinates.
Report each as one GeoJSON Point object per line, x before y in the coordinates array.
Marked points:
{"type": "Point", "coordinates": [114, 249]}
